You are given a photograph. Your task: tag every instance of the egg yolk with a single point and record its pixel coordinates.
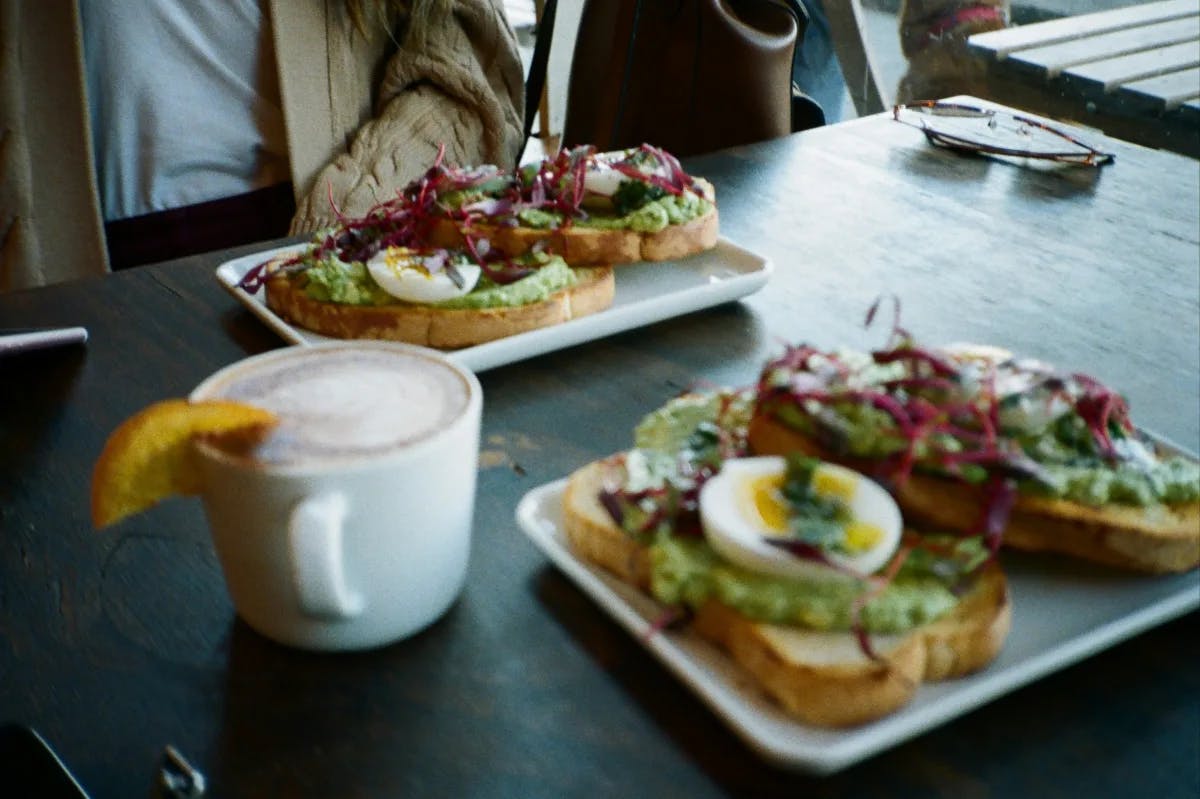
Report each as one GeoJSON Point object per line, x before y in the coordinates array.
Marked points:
{"type": "Point", "coordinates": [765, 495]}
{"type": "Point", "coordinates": [861, 536]}
{"type": "Point", "coordinates": [767, 500]}
{"type": "Point", "coordinates": [830, 484]}
{"type": "Point", "coordinates": [399, 258]}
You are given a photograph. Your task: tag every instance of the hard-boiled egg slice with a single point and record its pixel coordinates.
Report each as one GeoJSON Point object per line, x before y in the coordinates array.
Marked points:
{"type": "Point", "coordinates": [1028, 403]}
{"type": "Point", "coordinates": [743, 505]}
{"type": "Point", "coordinates": [413, 277]}
{"type": "Point", "coordinates": [603, 179]}
{"type": "Point", "coordinates": [600, 178]}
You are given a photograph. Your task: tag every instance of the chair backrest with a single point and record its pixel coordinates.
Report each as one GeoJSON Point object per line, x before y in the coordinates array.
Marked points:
{"type": "Point", "coordinates": [847, 26]}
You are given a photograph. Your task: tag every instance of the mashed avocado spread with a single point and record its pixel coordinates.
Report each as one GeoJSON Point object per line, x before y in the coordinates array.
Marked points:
{"type": "Point", "coordinates": [652, 217]}
{"type": "Point", "coordinates": [552, 277]}
{"type": "Point", "coordinates": [686, 570]}
{"type": "Point", "coordinates": [689, 572]}
{"type": "Point", "coordinates": [334, 280]}
{"type": "Point", "coordinates": [1070, 469]}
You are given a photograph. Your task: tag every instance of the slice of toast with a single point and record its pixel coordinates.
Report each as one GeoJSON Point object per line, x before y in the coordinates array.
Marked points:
{"type": "Point", "coordinates": [580, 245]}
{"type": "Point", "coordinates": [822, 678]}
{"type": "Point", "coordinates": [443, 328]}
{"type": "Point", "coordinates": [1154, 538]}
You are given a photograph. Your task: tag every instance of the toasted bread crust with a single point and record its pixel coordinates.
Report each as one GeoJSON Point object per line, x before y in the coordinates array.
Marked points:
{"type": "Point", "coordinates": [1156, 538]}
{"type": "Point", "coordinates": [579, 245]}
{"type": "Point", "coordinates": [972, 635]}
{"type": "Point", "coordinates": [821, 678]}
{"type": "Point", "coordinates": [440, 327]}
{"type": "Point", "coordinates": [591, 532]}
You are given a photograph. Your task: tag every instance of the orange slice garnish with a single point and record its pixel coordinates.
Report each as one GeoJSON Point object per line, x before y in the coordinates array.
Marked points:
{"type": "Point", "coordinates": [149, 456]}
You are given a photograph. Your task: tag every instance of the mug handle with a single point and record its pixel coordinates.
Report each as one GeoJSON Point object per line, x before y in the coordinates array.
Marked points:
{"type": "Point", "coordinates": [315, 536]}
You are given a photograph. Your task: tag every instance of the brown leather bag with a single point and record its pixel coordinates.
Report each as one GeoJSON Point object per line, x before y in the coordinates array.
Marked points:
{"type": "Point", "coordinates": [690, 76]}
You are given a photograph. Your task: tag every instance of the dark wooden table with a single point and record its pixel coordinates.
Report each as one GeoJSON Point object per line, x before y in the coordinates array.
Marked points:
{"type": "Point", "coordinates": [1133, 72]}
{"type": "Point", "coordinates": [115, 644]}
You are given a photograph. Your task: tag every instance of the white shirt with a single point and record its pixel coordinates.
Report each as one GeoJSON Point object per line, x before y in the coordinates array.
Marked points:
{"type": "Point", "coordinates": [184, 102]}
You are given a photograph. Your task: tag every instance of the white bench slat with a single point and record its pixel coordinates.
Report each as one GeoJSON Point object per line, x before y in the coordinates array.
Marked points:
{"type": "Point", "coordinates": [1173, 89]}
{"type": "Point", "coordinates": [1113, 73]}
{"type": "Point", "coordinates": [1051, 60]}
{"type": "Point", "coordinates": [1000, 44]}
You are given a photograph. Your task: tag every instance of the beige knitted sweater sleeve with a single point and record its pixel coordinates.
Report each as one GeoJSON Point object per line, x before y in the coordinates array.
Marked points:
{"type": "Point", "coordinates": [456, 81]}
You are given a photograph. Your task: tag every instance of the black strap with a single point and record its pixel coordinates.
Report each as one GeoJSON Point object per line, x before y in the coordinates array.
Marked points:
{"type": "Point", "coordinates": [626, 73]}
{"type": "Point", "coordinates": [535, 82]}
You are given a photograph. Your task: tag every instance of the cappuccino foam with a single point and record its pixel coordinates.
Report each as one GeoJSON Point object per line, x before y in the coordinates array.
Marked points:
{"type": "Point", "coordinates": [346, 403]}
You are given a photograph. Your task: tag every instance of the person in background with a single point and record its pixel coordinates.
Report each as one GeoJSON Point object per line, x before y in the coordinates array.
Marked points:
{"type": "Point", "coordinates": [817, 71]}
{"type": "Point", "coordinates": [162, 129]}
{"type": "Point", "coordinates": [933, 37]}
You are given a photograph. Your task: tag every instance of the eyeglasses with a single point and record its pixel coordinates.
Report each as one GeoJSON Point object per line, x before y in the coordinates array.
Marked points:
{"type": "Point", "coordinates": [994, 132]}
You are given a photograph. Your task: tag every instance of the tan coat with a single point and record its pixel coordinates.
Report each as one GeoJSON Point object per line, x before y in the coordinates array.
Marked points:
{"type": "Point", "coordinates": [363, 118]}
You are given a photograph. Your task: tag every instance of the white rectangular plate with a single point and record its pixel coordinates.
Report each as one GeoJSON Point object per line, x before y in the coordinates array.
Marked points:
{"type": "Point", "coordinates": [645, 293]}
{"type": "Point", "coordinates": [1060, 616]}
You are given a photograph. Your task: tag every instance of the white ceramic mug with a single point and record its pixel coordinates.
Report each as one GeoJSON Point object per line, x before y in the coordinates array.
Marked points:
{"type": "Point", "coordinates": [360, 536]}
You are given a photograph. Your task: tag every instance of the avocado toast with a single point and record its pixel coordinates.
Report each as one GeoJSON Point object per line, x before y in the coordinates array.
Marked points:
{"type": "Point", "coordinates": [380, 277]}
{"type": "Point", "coordinates": [339, 299]}
{"type": "Point", "coordinates": [466, 255]}
{"type": "Point", "coordinates": [621, 207]}
{"type": "Point", "coordinates": [832, 645]}
{"type": "Point", "coordinates": [975, 440]}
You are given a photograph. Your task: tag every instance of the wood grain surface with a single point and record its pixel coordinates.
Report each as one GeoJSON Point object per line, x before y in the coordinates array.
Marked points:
{"type": "Point", "coordinates": [116, 644]}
